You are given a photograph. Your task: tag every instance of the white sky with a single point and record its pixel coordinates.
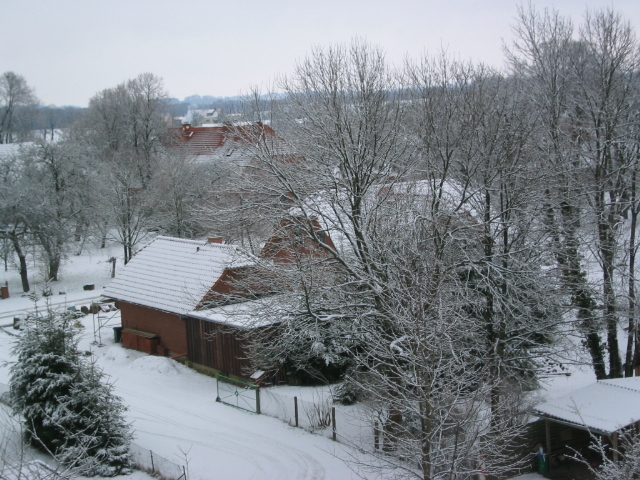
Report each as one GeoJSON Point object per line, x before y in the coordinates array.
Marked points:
{"type": "Point", "coordinates": [69, 50]}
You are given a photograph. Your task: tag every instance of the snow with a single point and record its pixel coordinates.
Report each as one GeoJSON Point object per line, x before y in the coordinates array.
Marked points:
{"type": "Point", "coordinates": [174, 274]}
{"type": "Point", "coordinates": [605, 406]}
{"type": "Point", "coordinates": [173, 410]}
{"type": "Point", "coordinates": [242, 315]}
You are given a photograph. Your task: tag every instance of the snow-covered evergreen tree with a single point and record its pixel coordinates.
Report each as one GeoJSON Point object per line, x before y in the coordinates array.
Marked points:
{"type": "Point", "coordinates": [66, 407]}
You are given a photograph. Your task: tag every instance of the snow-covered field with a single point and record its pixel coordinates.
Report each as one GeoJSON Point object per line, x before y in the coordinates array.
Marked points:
{"type": "Point", "coordinates": [173, 409]}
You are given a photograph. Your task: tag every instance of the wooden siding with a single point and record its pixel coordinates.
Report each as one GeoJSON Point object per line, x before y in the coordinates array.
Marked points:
{"type": "Point", "coordinates": [142, 341]}
{"type": "Point", "coordinates": [217, 347]}
{"type": "Point", "coordinates": [168, 326]}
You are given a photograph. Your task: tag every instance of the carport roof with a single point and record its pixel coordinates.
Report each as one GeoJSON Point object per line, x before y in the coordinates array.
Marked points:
{"type": "Point", "coordinates": [603, 407]}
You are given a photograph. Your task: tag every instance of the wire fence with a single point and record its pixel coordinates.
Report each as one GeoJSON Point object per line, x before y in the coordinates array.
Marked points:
{"type": "Point", "coordinates": [148, 461]}
{"type": "Point", "coordinates": [141, 458]}
{"type": "Point", "coordinates": [352, 425]}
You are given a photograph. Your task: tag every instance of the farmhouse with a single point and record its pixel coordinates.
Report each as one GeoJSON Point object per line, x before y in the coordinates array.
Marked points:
{"type": "Point", "coordinates": [165, 281]}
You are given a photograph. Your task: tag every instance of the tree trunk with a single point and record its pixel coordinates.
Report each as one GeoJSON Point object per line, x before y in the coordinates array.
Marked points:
{"type": "Point", "coordinates": [574, 280]}
{"type": "Point", "coordinates": [54, 268]}
{"type": "Point", "coordinates": [630, 360]}
{"type": "Point", "coordinates": [607, 254]}
{"type": "Point", "coordinates": [22, 257]}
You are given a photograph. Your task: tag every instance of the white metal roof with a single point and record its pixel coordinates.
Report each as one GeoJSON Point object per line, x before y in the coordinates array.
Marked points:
{"type": "Point", "coordinates": [174, 274]}
{"type": "Point", "coordinates": [604, 407]}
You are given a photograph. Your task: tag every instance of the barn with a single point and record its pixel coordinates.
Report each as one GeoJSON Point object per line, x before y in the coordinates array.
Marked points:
{"type": "Point", "coordinates": [167, 280]}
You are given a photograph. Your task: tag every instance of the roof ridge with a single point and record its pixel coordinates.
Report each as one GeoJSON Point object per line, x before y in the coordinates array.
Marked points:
{"type": "Point", "coordinates": [178, 239]}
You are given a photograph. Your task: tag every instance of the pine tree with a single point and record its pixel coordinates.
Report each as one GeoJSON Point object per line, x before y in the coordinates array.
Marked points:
{"type": "Point", "coordinates": [67, 409]}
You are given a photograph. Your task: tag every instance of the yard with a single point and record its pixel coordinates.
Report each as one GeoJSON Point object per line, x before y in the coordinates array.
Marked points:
{"type": "Point", "coordinates": [173, 408]}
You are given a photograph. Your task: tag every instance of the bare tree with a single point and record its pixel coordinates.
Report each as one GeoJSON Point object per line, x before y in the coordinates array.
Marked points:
{"type": "Point", "coordinates": [390, 193]}
{"type": "Point", "coordinates": [16, 199]}
{"type": "Point", "coordinates": [16, 99]}
{"type": "Point", "coordinates": [122, 133]}
{"type": "Point", "coordinates": [607, 85]}
{"type": "Point", "coordinates": [585, 91]}
{"type": "Point", "coordinates": [178, 189]}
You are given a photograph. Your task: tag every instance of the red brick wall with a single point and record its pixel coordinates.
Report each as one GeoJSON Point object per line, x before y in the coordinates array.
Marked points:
{"type": "Point", "coordinates": [170, 328]}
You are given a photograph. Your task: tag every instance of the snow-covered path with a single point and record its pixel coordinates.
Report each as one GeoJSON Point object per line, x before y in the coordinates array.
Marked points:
{"type": "Point", "coordinates": [183, 416]}
{"type": "Point", "coordinates": [173, 408]}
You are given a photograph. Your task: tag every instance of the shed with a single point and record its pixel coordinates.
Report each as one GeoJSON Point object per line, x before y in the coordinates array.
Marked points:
{"type": "Point", "coordinates": [167, 279]}
{"type": "Point", "coordinates": [604, 408]}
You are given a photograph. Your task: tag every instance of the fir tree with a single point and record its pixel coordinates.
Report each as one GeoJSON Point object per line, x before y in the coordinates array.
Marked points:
{"type": "Point", "coordinates": [66, 407]}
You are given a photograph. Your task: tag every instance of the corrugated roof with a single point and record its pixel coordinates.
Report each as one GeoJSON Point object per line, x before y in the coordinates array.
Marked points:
{"type": "Point", "coordinates": [604, 407]}
{"type": "Point", "coordinates": [174, 274]}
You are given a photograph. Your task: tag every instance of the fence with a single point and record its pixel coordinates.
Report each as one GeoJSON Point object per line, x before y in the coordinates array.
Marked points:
{"type": "Point", "coordinates": [141, 458]}
{"type": "Point", "coordinates": [351, 425]}
{"type": "Point", "coordinates": [238, 394]}
{"type": "Point", "coordinates": [148, 461]}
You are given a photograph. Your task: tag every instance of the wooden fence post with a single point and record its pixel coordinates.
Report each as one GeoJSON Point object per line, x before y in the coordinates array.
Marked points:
{"type": "Point", "coordinates": [333, 422]}
{"type": "Point", "coordinates": [376, 435]}
{"type": "Point", "coordinates": [295, 408]}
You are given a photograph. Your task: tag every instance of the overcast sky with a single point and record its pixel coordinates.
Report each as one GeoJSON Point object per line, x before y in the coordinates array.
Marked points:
{"type": "Point", "coordinates": [68, 50]}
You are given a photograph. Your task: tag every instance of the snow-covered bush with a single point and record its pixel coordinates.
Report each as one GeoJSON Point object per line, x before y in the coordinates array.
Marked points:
{"type": "Point", "coordinates": [66, 408]}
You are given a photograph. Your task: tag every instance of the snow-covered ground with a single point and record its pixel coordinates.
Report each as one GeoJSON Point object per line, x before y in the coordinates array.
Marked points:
{"type": "Point", "coordinates": [173, 409]}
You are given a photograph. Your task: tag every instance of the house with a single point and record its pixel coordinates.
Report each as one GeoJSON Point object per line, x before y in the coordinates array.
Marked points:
{"type": "Point", "coordinates": [169, 278]}
{"type": "Point", "coordinates": [604, 408]}
{"type": "Point", "coordinates": [222, 142]}
{"type": "Point", "coordinates": [219, 338]}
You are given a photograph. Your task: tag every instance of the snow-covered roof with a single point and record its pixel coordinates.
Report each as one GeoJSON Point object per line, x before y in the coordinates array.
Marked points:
{"type": "Point", "coordinates": [331, 208]}
{"type": "Point", "coordinates": [225, 141]}
{"type": "Point", "coordinates": [242, 315]}
{"type": "Point", "coordinates": [603, 407]}
{"type": "Point", "coordinates": [10, 149]}
{"type": "Point", "coordinates": [174, 274]}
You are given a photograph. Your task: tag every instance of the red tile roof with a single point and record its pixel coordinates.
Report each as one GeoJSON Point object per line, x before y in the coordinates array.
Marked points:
{"type": "Point", "coordinates": [216, 140]}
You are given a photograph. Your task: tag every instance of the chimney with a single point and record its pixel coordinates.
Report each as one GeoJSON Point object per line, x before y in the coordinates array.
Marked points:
{"type": "Point", "coordinates": [215, 240]}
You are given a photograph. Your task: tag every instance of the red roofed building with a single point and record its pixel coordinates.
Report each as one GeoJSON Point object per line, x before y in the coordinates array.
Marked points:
{"type": "Point", "coordinates": [226, 142]}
